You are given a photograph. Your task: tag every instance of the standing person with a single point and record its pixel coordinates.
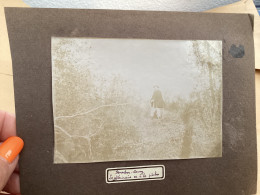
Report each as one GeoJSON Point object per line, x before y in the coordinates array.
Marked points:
{"type": "Point", "coordinates": [157, 103]}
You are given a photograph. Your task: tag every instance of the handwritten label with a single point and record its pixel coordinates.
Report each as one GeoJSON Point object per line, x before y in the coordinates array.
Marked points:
{"type": "Point", "coordinates": [133, 174]}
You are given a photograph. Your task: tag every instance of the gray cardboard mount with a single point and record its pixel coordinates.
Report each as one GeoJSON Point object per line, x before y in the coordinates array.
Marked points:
{"type": "Point", "coordinates": [30, 32]}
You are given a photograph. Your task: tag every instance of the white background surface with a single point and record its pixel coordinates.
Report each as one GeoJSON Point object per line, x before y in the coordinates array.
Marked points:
{"type": "Point", "coordinates": [163, 5]}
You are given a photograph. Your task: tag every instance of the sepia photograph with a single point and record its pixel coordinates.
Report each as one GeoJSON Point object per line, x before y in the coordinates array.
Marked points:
{"type": "Point", "coordinates": [136, 99]}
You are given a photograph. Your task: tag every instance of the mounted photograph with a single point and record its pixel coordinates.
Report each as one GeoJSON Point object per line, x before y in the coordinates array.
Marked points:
{"type": "Point", "coordinates": [136, 99]}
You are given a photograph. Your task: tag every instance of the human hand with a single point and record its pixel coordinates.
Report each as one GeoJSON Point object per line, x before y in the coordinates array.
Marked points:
{"type": "Point", "coordinates": [9, 149]}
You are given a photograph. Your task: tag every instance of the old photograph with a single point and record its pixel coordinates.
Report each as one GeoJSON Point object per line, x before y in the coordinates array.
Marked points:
{"type": "Point", "coordinates": [136, 99]}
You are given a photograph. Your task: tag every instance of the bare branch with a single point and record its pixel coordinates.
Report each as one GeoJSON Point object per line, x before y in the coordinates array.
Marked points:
{"type": "Point", "coordinates": [91, 110]}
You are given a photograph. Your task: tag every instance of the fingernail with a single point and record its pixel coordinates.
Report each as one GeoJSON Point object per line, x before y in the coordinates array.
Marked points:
{"type": "Point", "coordinates": [11, 148]}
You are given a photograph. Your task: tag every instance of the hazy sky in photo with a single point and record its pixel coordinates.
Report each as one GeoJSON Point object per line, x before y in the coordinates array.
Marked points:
{"type": "Point", "coordinates": [144, 63]}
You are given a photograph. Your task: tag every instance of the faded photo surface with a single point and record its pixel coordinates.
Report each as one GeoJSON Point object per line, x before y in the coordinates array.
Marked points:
{"type": "Point", "coordinates": [136, 99]}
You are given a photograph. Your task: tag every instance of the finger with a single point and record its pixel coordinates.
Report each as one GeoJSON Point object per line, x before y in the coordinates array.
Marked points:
{"type": "Point", "coordinates": [6, 169]}
{"type": "Point", "coordinates": [7, 125]}
{"type": "Point", "coordinates": [13, 184]}
{"type": "Point", "coordinates": [17, 169]}
{"type": "Point", "coordinates": [9, 151]}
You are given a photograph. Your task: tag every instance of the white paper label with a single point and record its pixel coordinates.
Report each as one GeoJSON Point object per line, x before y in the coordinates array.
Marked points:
{"type": "Point", "coordinates": [133, 174]}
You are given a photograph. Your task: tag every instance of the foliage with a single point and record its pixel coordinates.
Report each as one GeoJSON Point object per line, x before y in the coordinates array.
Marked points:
{"type": "Point", "coordinates": [112, 122]}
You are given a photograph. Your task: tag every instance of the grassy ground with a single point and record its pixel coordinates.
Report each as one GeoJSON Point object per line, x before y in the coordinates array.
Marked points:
{"type": "Point", "coordinates": [113, 133]}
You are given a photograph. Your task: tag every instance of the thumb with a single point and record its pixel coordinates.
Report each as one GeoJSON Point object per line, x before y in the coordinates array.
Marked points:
{"type": "Point", "coordinates": [9, 151]}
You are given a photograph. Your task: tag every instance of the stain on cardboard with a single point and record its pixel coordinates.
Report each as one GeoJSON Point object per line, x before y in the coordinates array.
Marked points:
{"type": "Point", "coordinates": [237, 52]}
